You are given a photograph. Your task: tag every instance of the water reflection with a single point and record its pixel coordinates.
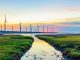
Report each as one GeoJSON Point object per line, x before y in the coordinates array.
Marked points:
{"type": "Point", "coordinates": [41, 50]}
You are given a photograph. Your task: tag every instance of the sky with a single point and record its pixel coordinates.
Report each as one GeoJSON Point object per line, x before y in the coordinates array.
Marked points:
{"type": "Point", "coordinates": [62, 13]}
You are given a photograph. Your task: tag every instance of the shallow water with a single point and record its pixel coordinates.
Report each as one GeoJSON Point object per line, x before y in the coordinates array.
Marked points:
{"type": "Point", "coordinates": [41, 50]}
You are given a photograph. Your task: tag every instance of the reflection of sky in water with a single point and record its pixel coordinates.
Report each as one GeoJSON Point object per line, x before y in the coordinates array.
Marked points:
{"type": "Point", "coordinates": [42, 50]}
{"type": "Point", "coordinates": [70, 29]}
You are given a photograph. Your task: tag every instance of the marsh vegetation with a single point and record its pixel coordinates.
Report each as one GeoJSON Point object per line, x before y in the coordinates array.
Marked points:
{"type": "Point", "coordinates": [12, 47]}
{"type": "Point", "coordinates": [68, 44]}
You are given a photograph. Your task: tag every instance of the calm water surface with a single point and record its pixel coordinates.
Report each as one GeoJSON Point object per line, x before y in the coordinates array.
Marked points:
{"type": "Point", "coordinates": [41, 50]}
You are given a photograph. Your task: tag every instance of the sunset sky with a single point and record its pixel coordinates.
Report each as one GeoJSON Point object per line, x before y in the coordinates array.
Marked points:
{"type": "Point", "coordinates": [62, 13]}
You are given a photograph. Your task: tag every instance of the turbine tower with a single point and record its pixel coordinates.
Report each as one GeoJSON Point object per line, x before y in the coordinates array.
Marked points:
{"type": "Point", "coordinates": [26, 29]}
{"type": "Point", "coordinates": [20, 26]}
{"type": "Point", "coordinates": [12, 28]}
{"type": "Point", "coordinates": [47, 29]}
{"type": "Point", "coordinates": [30, 28]}
{"type": "Point", "coordinates": [53, 29]}
{"type": "Point", "coordinates": [1, 27]}
{"type": "Point", "coordinates": [43, 29]}
{"type": "Point", "coordinates": [5, 21]}
{"type": "Point", "coordinates": [37, 28]}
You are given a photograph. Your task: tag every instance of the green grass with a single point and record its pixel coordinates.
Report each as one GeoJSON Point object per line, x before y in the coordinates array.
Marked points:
{"type": "Point", "coordinates": [69, 44]}
{"type": "Point", "coordinates": [12, 47]}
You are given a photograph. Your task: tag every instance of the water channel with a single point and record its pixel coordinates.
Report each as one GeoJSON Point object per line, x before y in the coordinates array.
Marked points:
{"type": "Point", "coordinates": [41, 50]}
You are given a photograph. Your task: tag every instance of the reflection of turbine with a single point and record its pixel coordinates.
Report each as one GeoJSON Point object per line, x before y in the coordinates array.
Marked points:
{"type": "Point", "coordinates": [41, 58]}
{"type": "Point", "coordinates": [44, 55]}
{"type": "Point", "coordinates": [27, 55]}
{"type": "Point", "coordinates": [35, 57]}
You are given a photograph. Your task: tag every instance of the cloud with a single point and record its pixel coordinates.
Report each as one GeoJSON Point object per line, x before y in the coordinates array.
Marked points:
{"type": "Point", "coordinates": [70, 23]}
{"type": "Point", "coordinates": [67, 21]}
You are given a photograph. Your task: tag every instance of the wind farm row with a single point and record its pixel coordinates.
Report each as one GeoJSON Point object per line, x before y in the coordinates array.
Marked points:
{"type": "Point", "coordinates": [38, 28]}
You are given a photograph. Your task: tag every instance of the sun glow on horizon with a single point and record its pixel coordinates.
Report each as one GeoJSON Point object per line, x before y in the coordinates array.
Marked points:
{"type": "Point", "coordinates": [38, 11]}
{"type": "Point", "coordinates": [39, 19]}
{"type": "Point", "coordinates": [62, 13]}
